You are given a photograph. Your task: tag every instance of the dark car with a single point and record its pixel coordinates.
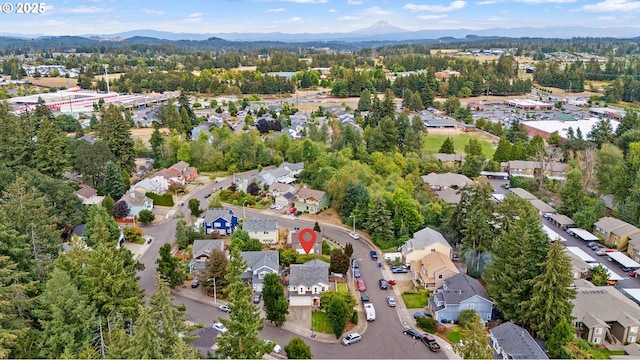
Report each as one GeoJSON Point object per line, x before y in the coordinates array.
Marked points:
{"type": "Point", "coordinates": [195, 283]}
{"type": "Point", "coordinates": [383, 284]}
{"type": "Point", "coordinates": [430, 341]}
{"type": "Point", "coordinates": [418, 314]}
{"type": "Point", "coordinates": [627, 269]}
{"type": "Point", "coordinates": [364, 298]}
{"type": "Point", "coordinates": [412, 332]}
{"type": "Point", "coordinates": [256, 298]}
{"type": "Point", "coordinates": [374, 255]}
{"type": "Point", "coordinates": [356, 273]}
{"type": "Point", "coordinates": [297, 213]}
{"type": "Point", "coordinates": [207, 196]}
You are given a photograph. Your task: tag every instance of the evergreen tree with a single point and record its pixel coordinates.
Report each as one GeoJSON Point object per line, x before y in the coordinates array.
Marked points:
{"type": "Point", "coordinates": [474, 341]}
{"type": "Point", "coordinates": [297, 349]}
{"type": "Point", "coordinates": [146, 342]}
{"type": "Point", "coordinates": [364, 104]}
{"type": "Point", "coordinates": [560, 336]}
{"type": "Point", "coordinates": [447, 147]}
{"type": "Point", "coordinates": [550, 302]}
{"type": "Point", "coordinates": [156, 141]}
{"type": "Point", "coordinates": [216, 268]}
{"type": "Point", "coordinates": [415, 102]}
{"type": "Point", "coordinates": [169, 267]}
{"type": "Point", "coordinates": [503, 151]}
{"type": "Point", "coordinates": [115, 132]}
{"type": "Point", "coordinates": [378, 222]}
{"type": "Point", "coordinates": [241, 341]}
{"type": "Point", "coordinates": [108, 203]}
{"type": "Point", "coordinates": [11, 290]}
{"type": "Point", "coordinates": [98, 218]}
{"type": "Point", "coordinates": [49, 155]}
{"type": "Point", "coordinates": [113, 184]}
{"type": "Point", "coordinates": [276, 306]}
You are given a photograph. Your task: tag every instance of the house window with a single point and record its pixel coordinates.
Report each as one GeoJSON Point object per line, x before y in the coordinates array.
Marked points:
{"type": "Point", "coordinates": [217, 225]}
{"type": "Point", "coordinates": [633, 330]}
{"type": "Point", "coordinates": [470, 306]}
{"type": "Point", "coordinates": [488, 316]}
{"type": "Point", "coordinates": [440, 276]}
{"type": "Point", "coordinates": [632, 339]}
{"type": "Point", "coordinates": [301, 290]}
{"type": "Point", "coordinates": [433, 250]}
{"type": "Point", "coordinates": [598, 331]}
{"type": "Point", "coordinates": [266, 233]}
{"type": "Point", "coordinates": [261, 275]}
{"type": "Point", "coordinates": [596, 340]}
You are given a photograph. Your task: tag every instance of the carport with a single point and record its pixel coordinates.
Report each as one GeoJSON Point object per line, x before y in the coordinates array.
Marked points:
{"type": "Point", "coordinates": [582, 234]}
{"type": "Point", "coordinates": [623, 259]}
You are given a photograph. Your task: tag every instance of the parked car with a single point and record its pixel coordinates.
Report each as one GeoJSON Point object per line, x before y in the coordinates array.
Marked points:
{"type": "Point", "coordinates": [391, 301]}
{"type": "Point", "coordinates": [218, 326]}
{"type": "Point", "coordinates": [399, 270]}
{"type": "Point", "coordinates": [383, 284]}
{"type": "Point", "coordinates": [256, 298]}
{"type": "Point", "coordinates": [593, 245]}
{"type": "Point", "coordinates": [276, 348]}
{"type": "Point", "coordinates": [356, 273]}
{"type": "Point", "coordinates": [412, 332]}
{"type": "Point", "coordinates": [354, 263]}
{"type": "Point", "coordinates": [418, 314]}
{"type": "Point", "coordinates": [351, 339]}
{"type": "Point", "coordinates": [273, 206]}
{"type": "Point", "coordinates": [364, 298]}
{"type": "Point", "coordinates": [297, 213]}
{"type": "Point", "coordinates": [361, 286]}
{"type": "Point", "coordinates": [627, 269]}
{"type": "Point", "coordinates": [195, 283]}
{"type": "Point", "coordinates": [225, 308]}
{"type": "Point", "coordinates": [374, 255]}
{"type": "Point", "coordinates": [430, 341]}
{"type": "Point", "coordinates": [207, 196]}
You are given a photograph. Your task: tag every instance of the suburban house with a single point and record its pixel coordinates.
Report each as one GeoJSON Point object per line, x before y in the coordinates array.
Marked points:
{"type": "Point", "coordinates": [424, 241]}
{"type": "Point", "coordinates": [179, 172]}
{"type": "Point", "coordinates": [510, 341]}
{"type": "Point", "coordinates": [460, 292]}
{"type": "Point", "coordinates": [89, 195]}
{"type": "Point", "coordinates": [562, 221]}
{"type": "Point", "coordinates": [552, 169]}
{"type": "Point", "coordinates": [285, 199]}
{"type": "Point", "coordinates": [603, 313]}
{"type": "Point", "coordinates": [219, 220]}
{"type": "Point", "coordinates": [614, 231]}
{"type": "Point", "coordinates": [276, 189]}
{"type": "Point", "coordinates": [446, 181]}
{"type": "Point", "coordinates": [579, 268]}
{"type": "Point", "coordinates": [307, 282]}
{"type": "Point", "coordinates": [294, 240]}
{"type": "Point", "coordinates": [634, 247]}
{"type": "Point", "coordinates": [433, 269]}
{"type": "Point", "coordinates": [156, 184]}
{"type": "Point", "coordinates": [449, 196]}
{"type": "Point", "coordinates": [201, 252]}
{"type": "Point", "coordinates": [312, 201]}
{"type": "Point", "coordinates": [137, 201]}
{"type": "Point", "coordinates": [285, 173]}
{"type": "Point", "coordinates": [450, 160]}
{"type": "Point", "coordinates": [259, 264]}
{"type": "Point", "coordinates": [265, 230]}
{"type": "Point", "coordinates": [144, 168]}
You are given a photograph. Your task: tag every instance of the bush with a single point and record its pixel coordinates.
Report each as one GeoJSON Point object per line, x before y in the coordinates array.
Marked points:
{"type": "Point", "coordinates": [427, 324]}
{"type": "Point", "coordinates": [146, 216]}
{"type": "Point", "coordinates": [354, 318]}
{"type": "Point", "coordinates": [326, 248]}
{"type": "Point", "coordinates": [160, 200]}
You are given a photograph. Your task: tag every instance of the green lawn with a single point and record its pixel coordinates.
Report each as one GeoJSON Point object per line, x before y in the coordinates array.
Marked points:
{"type": "Point", "coordinates": [605, 354]}
{"type": "Point", "coordinates": [415, 300]}
{"type": "Point", "coordinates": [432, 143]}
{"type": "Point", "coordinates": [320, 322]}
{"type": "Point", "coordinates": [453, 336]}
{"type": "Point", "coordinates": [342, 287]}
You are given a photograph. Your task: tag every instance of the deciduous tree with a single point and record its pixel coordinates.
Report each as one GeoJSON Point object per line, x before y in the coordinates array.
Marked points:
{"type": "Point", "coordinates": [215, 268]}
{"type": "Point", "coordinates": [474, 341]}
{"type": "Point", "coordinates": [276, 306]}
{"type": "Point", "coordinates": [297, 349]}
{"type": "Point", "coordinates": [169, 267]}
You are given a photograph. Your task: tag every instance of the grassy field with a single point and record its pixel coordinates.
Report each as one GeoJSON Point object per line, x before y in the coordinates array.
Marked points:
{"type": "Point", "coordinates": [432, 142]}
{"type": "Point", "coordinates": [342, 288]}
{"type": "Point", "coordinates": [320, 322]}
{"type": "Point", "coordinates": [453, 336]}
{"type": "Point", "coordinates": [415, 300]}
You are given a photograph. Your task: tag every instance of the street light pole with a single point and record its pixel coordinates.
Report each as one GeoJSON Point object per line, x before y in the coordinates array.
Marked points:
{"type": "Point", "coordinates": [215, 295]}
{"type": "Point", "coordinates": [244, 211]}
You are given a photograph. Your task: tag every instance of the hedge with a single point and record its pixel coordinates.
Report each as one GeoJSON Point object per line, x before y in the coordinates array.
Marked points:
{"type": "Point", "coordinates": [161, 200]}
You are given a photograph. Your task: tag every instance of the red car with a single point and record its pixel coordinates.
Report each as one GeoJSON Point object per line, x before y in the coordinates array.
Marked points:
{"type": "Point", "coordinates": [361, 286]}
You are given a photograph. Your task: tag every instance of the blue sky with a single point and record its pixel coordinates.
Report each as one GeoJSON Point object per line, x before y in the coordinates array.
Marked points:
{"type": "Point", "coordinates": [76, 17]}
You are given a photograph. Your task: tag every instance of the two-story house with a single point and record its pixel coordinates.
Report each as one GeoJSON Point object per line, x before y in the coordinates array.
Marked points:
{"type": "Point", "coordinates": [179, 172]}
{"type": "Point", "coordinates": [614, 231]}
{"type": "Point", "coordinates": [265, 230]}
{"type": "Point", "coordinates": [307, 282]}
{"type": "Point", "coordinates": [433, 269]}
{"type": "Point", "coordinates": [136, 201]}
{"type": "Point", "coordinates": [424, 241]}
{"type": "Point", "coordinates": [156, 184]}
{"type": "Point", "coordinates": [200, 254]}
{"type": "Point", "coordinates": [89, 195]}
{"type": "Point", "coordinates": [276, 189]}
{"type": "Point", "coordinates": [259, 264]}
{"type": "Point", "coordinates": [450, 160]}
{"type": "Point", "coordinates": [294, 240]}
{"type": "Point", "coordinates": [286, 199]}
{"type": "Point", "coordinates": [460, 292]}
{"type": "Point", "coordinates": [311, 201]}
{"type": "Point", "coordinates": [510, 341]}
{"type": "Point", "coordinates": [634, 247]}
{"type": "Point", "coordinates": [603, 314]}
{"type": "Point", "coordinates": [222, 221]}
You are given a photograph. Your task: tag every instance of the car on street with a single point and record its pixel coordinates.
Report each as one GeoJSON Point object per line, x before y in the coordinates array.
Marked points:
{"type": "Point", "coordinates": [256, 298]}
{"type": "Point", "coordinates": [374, 255]}
{"type": "Point", "coordinates": [273, 206]}
{"type": "Point", "coordinates": [412, 332]}
{"type": "Point", "coordinates": [207, 196]}
{"type": "Point", "coordinates": [418, 314]}
{"type": "Point", "coordinates": [195, 283]}
{"type": "Point", "coordinates": [225, 308]}
{"type": "Point", "coordinates": [430, 341]}
{"type": "Point", "coordinates": [351, 339]}
{"type": "Point", "coordinates": [354, 263]}
{"type": "Point", "coordinates": [218, 326]}
{"type": "Point", "coordinates": [276, 348]}
{"type": "Point", "coordinates": [383, 284]}
{"type": "Point", "coordinates": [361, 286]}
{"type": "Point", "coordinates": [297, 213]}
{"type": "Point", "coordinates": [354, 235]}
{"type": "Point", "coordinates": [279, 207]}
{"type": "Point", "coordinates": [364, 298]}
{"type": "Point", "coordinates": [356, 273]}
{"type": "Point", "coordinates": [391, 301]}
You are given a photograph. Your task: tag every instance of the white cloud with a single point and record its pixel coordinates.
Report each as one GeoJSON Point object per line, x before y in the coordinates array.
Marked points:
{"type": "Point", "coordinates": [613, 6]}
{"type": "Point", "coordinates": [332, 10]}
{"type": "Point", "coordinates": [376, 10]}
{"type": "Point", "coordinates": [455, 5]}
{"type": "Point", "coordinates": [495, 18]}
{"type": "Point", "coordinates": [275, 10]}
{"type": "Point", "coordinates": [546, 1]}
{"type": "Point", "coordinates": [195, 15]}
{"type": "Point", "coordinates": [355, 2]}
{"type": "Point", "coordinates": [153, 12]}
{"type": "Point", "coordinates": [294, 19]}
{"type": "Point", "coordinates": [87, 10]}
{"type": "Point", "coordinates": [431, 17]}
{"type": "Point", "coordinates": [607, 18]}
{"type": "Point", "coordinates": [346, 18]}
{"type": "Point", "coordinates": [487, 2]}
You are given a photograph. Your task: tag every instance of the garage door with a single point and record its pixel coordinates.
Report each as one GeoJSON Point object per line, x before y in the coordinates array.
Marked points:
{"type": "Point", "coordinates": [300, 301]}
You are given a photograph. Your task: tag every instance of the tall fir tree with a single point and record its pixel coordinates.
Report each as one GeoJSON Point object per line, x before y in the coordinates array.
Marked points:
{"type": "Point", "coordinates": [447, 147]}
{"type": "Point", "coordinates": [115, 132]}
{"type": "Point", "coordinates": [379, 223]}
{"type": "Point", "coordinates": [113, 183]}
{"type": "Point", "coordinates": [50, 157]}
{"type": "Point", "coordinates": [364, 104]}
{"type": "Point", "coordinates": [276, 306]}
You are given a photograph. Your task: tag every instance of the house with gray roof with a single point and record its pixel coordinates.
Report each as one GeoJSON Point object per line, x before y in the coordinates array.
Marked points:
{"type": "Point", "coordinates": [423, 242]}
{"type": "Point", "coordinates": [448, 195]}
{"type": "Point", "coordinates": [510, 341]}
{"type": "Point", "coordinates": [265, 230]}
{"type": "Point", "coordinates": [460, 292]}
{"type": "Point", "coordinates": [259, 264]}
{"type": "Point", "coordinates": [276, 189]}
{"type": "Point", "coordinates": [136, 201]}
{"type": "Point", "coordinates": [293, 239]}
{"type": "Point", "coordinates": [447, 180]}
{"type": "Point", "coordinates": [307, 282]}
{"type": "Point", "coordinates": [450, 160]}
{"type": "Point", "coordinates": [222, 221]}
{"type": "Point", "coordinates": [523, 194]}
{"type": "Point", "coordinates": [201, 252]}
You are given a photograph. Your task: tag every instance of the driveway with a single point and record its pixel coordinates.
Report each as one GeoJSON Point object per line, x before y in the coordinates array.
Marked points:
{"type": "Point", "coordinates": [300, 317]}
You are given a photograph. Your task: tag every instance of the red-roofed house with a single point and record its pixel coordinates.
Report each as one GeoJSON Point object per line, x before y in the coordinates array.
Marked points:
{"type": "Point", "coordinates": [180, 173]}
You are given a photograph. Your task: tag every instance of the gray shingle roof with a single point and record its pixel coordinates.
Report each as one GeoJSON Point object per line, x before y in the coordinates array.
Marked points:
{"type": "Point", "coordinates": [516, 342]}
{"type": "Point", "coordinates": [523, 194]}
{"type": "Point", "coordinates": [461, 287]}
{"type": "Point", "coordinates": [446, 180]}
{"type": "Point", "coordinates": [592, 306]}
{"type": "Point", "coordinates": [257, 224]}
{"type": "Point", "coordinates": [213, 214]}
{"type": "Point", "coordinates": [256, 260]}
{"type": "Point", "coordinates": [309, 274]}
{"type": "Point", "coordinates": [205, 247]}
{"type": "Point", "coordinates": [422, 239]}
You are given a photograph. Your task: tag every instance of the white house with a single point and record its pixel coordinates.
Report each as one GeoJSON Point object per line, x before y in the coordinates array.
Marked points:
{"type": "Point", "coordinates": [157, 185]}
{"type": "Point", "coordinates": [265, 230]}
{"type": "Point", "coordinates": [307, 282]}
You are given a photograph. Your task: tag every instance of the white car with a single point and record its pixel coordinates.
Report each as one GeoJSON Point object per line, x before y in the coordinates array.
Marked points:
{"type": "Point", "coordinates": [276, 348]}
{"type": "Point", "coordinates": [354, 235]}
{"type": "Point", "coordinates": [273, 206]}
{"type": "Point", "coordinates": [218, 326]}
{"type": "Point", "coordinates": [279, 207]}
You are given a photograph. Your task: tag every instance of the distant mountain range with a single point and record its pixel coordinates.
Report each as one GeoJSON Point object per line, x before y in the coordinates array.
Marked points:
{"type": "Point", "coordinates": [380, 31]}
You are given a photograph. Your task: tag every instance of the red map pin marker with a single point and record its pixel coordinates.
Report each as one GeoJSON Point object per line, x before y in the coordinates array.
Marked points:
{"type": "Point", "coordinates": [307, 238]}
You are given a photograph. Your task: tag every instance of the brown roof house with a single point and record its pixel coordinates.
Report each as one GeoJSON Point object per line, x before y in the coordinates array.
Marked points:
{"type": "Point", "coordinates": [614, 231]}
{"type": "Point", "coordinates": [433, 269]}
{"type": "Point", "coordinates": [179, 172]}
{"type": "Point", "coordinates": [311, 201]}
{"type": "Point", "coordinates": [201, 252]}
{"type": "Point", "coordinates": [450, 160]}
{"type": "Point", "coordinates": [603, 314]}
{"type": "Point", "coordinates": [633, 247]}
{"type": "Point", "coordinates": [89, 196]}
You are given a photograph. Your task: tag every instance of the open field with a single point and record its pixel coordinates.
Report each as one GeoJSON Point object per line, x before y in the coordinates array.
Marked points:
{"type": "Point", "coordinates": [52, 81]}
{"type": "Point", "coordinates": [433, 141]}
{"type": "Point", "coordinates": [145, 134]}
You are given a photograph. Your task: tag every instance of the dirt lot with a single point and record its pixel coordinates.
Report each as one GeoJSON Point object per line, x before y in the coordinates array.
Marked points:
{"type": "Point", "coordinates": [52, 81]}
{"type": "Point", "coordinates": [145, 134]}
